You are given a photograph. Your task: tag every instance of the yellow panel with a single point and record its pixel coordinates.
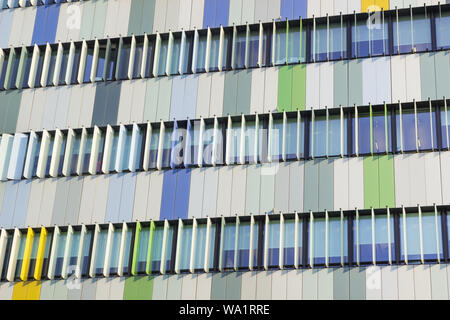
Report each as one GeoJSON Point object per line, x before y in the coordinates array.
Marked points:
{"type": "Point", "coordinates": [40, 254]}
{"type": "Point", "coordinates": [20, 291]}
{"type": "Point", "coordinates": [27, 255]}
{"type": "Point", "coordinates": [383, 4]}
{"type": "Point", "coordinates": [34, 290]}
{"type": "Point", "coordinates": [365, 4]}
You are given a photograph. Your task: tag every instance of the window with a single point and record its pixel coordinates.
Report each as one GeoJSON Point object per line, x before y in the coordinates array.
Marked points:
{"type": "Point", "coordinates": [421, 32]}
{"type": "Point", "coordinates": [239, 48]}
{"type": "Point", "coordinates": [175, 55]}
{"type": "Point", "coordinates": [115, 250]}
{"type": "Point", "coordinates": [410, 237]}
{"type": "Point", "coordinates": [337, 240]}
{"type": "Point", "coordinates": [249, 142]}
{"type": "Point", "coordinates": [370, 36]}
{"type": "Point", "coordinates": [208, 143]}
{"type": "Point", "coordinates": [75, 154]}
{"type": "Point", "coordinates": [51, 67]}
{"type": "Point", "coordinates": [186, 66]}
{"type": "Point", "coordinates": [442, 27]}
{"type": "Point", "coordinates": [200, 247]}
{"type": "Point", "coordinates": [73, 252]}
{"type": "Point", "coordinates": [234, 147]}
{"type": "Point", "coordinates": [111, 62]}
{"type": "Point", "coordinates": [243, 245]}
{"type": "Point", "coordinates": [296, 50]}
{"type": "Point", "coordinates": [62, 239]}
{"type": "Point", "coordinates": [124, 56]}
{"type": "Point", "coordinates": [157, 248]}
{"type": "Point", "coordinates": [364, 239]}
{"type": "Point", "coordinates": [253, 47]}
{"type": "Point", "coordinates": [101, 62]}
{"type": "Point", "coordinates": [153, 152]}
{"type": "Point", "coordinates": [445, 122]}
{"type": "Point", "coordinates": [85, 253]}
{"type": "Point", "coordinates": [384, 238]}
{"type": "Point", "coordinates": [64, 64]}
{"type": "Point", "coordinates": [337, 41]}
{"type": "Point", "coordinates": [318, 136]}
{"type": "Point", "coordinates": [138, 57]}
{"type": "Point", "coordinates": [144, 250]}
{"type": "Point", "coordinates": [273, 244]}
{"type": "Point", "coordinates": [280, 44]}
{"type": "Point", "coordinates": [228, 246]}
{"type": "Point", "coordinates": [200, 58]}
{"type": "Point", "coordinates": [114, 149]}
{"type": "Point", "coordinates": [20, 256]}
{"type": "Point", "coordinates": [334, 135]}
{"type": "Point", "coordinates": [89, 62]}
{"type": "Point", "coordinates": [432, 231]}
{"type": "Point", "coordinates": [167, 148]}
{"type": "Point", "coordinates": [291, 138]}
{"type": "Point", "coordinates": [364, 134]}
{"type": "Point", "coordinates": [289, 242]}
{"type": "Point", "coordinates": [101, 250]}
{"type": "Point", "coordinates": [76, 64]}
{"type": "Point", "coordinates": [382, 141]}
{"type": "Point", "coordinates": [9, 240]}
{"type": "Point", "coordinates": [426, 136]}
{"type": "Point", "coordinates": [318, 229]}
{"type": "Point", "coordinates": [277, 139]}
{"type": "Point", "coordinates": [185, 243]}
{"type": "Point", "coordinates": [87, 153]}
{"type": "Point", "coordinates": [408, 130]}
{"type": "Point", "coordinates": [320, 42]}
{"type": "Point", "coordinates": [214, 51]}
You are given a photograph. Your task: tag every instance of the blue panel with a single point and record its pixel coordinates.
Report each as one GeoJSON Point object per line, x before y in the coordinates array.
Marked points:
{"type": "Point", "coordinates": [9, 202]}
{"type": "Point", "coordinates": [51, 23]}
{"type": "Point", "coordinates": [287, 9]}
{"type": "Point", "coordinates": [6, 17]}
{"type": "Point", "coordinates": [39, 25]}
{"type": "Point", "coordinates": [300, 9]}
{"type": "Point", "coordinates": [190, 97]}
{"type": "Point", "coordinates": [20, 212]}
{"type": "Point", "coordinates": [209, 13]}
{"type": "Point", "coordinates": [222, 12]}
{"type": "Point", "coordinates": [126, 204]}
{"type": "Point", "coordinates": [182, 195]}
{"type": "Point", "coordinates": [168, 195]}
{"type": "Point", "coordinates": [113, 204]}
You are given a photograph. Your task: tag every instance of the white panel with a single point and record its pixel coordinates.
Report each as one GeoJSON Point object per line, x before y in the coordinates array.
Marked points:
{"type": "Point", "coordinates": [325, 284]}
{"type": "Point", "coordinates": [184, 18]}
{"type": "Point", "coordinates": [406, 283]}
{"type": "Point", "coordinates": [160, 16]}
{"type": "Point", "coordinates": [73, 21]}
{"type": "Point", "coordinates": [73, 114]}
{"type": "Point", "coordinates": [271, 94]}
{"type": "Point", "coordinates": [87, 200]}
{"type": "Point", "coordinates": [138, 100]}
{"type": "Point", "coordinates": [189, 284]}
{"type": "Point", "coordinates": [296, 187]}
{"type": "Point", "coordinates": [373, 283]}
{"type": "Point", "coordinates": [340, 6]}
{"type": "Point", "coordinates": [204, 281]}
{"type": "Point", "coordinates": [210, 192]}
{"type": "Point", "coordinates": [354, 6]}
{"type": "Point", "coordinates": [282, 188]}
{"type": "Point", "coordinates": [294, 285]}
{"type": "Point", "coordinates": [422, 282]}
{"type": "Point", "coordinates": [217, 89]}
{"type": "Point", "coordinates": [112, 13]}
{"type": "Point", "coordinates": [341, 183]}
{"type": "Point", "coordinates": [355, 183]}
{"type": "Point", "coordinates": [28, 25]}
{"type": "Point", "coordinates": [313, 8]}
{"type": "Point", "coordinates": [402, 180]}
{"type": "Point", "coordinates": [16, 27]}
{"type": "Point", "coordinates": [412, 72]}
{"type": "Point", "coordinates": [389, 282]}
{"type": "Point", "coordinates": [398, 65]}
{"type": "Point", "coordinates": [417, 180]}
{"type": "Point", "coordinates": [154, 195]}
{"type": "Point", "coordinates": [196, 196]}
{"type": "Point", "coordinates": [122, 19]}
{"type": "Point", "coordinates": [369, 81]}
{"type": "Point", "coordinates": [326, 85]}
{"type": "Point", "coordinates": [238, 190]}
{"type": "Point", "coordinates": [224, 191]}
{"type": "Point", "coordinates": [439, 290]}
{"type": "Point", "coordinates": [383, 78]}
{"type": "Point", "coordinates": [433, 178]}
{"type": "Point", "coordinates": [141, 196]}
{"type": "Point", "coordinates": [445, 174]}
{"type": "Point", "coordinates": [310, 284]}
{"type": "Point", "coordinates": [87, 106]}
{"type": "Point", "coordinates": [313, 86]}
{"type": "Point", "coordinates": [257, 94]}
{"type": "Point", "coordinates": [279, 285]}
{"type": "Point", "coordinates": [264, 286]}
{"type": "Point", "coordinates": [203, 95]}
{"type": "Point", "coordinates": [197, 14]}
{"type": "Point", "coordinates": [37, 110]}
{"type": "Point", "coordinates": [327, 7]}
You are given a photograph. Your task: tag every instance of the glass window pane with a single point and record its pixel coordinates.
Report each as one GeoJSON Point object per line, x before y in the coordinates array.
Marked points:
{"type": "Point", "coordinates": [277, 139]}
{"type": "Point", "coordinates": [319, 134]}
{"type": "Point", "coordinates": [185, 248]}
{"type": "Point", "coordinates": [442, 27]}
{"type": "Point", "coordinates": [124, 59]}
{"type": "Point", "coordinates": [381, 127]}
{"type": "Point", "coordinates": [425, 120]}
{"type": "Point", "coordinates": [229, 240]}
{"type": "Point", "coordinates": [402, 35]}
{"type": "Point", "coordinates": [382, 234]}
{"type": "Point", "coordinates": [336, 238]}
{"type": "Point", "coordinates": [235, 142]}
{"type": "Point", "coordinates": [253, 48]}
{"type": "Point", "coordinates": [338, 42]}
{"type": "Point", "coordinates": [249, 141]}
{"type": "Point", "coordinates": [319, 241]}
{"type": "Point", "coordinates": [291, 138]}
{"type": "Point", "coordinates": [364, 133]}
{"type": "Point", "coordinates": [273, 244]}
{"type": "Point", "coordinates": [409, 130]}
{"type": "Point", "coordinates": [200, 247]}
{"type": "Point", "coordinates": [239, 49]}
{"type": "Point", "coordinates": [19, 262]}
{"type": "Point", "coordinates": [412, 237]}
{"type": "Point", "coordinates": [243, 245]}
{"type": "Point", "coordinates": [280, 45]}
{"type": "Point", "coordinates": [143, 249]}
{"type": "Point", "coordinates": [157, 248]}
{"type": "Point", "coordinates": [115, 250]}
{"type": "Point", "coordinates": [289, 242]}
{"type": "Point", "coordinates": [430, 224]}
{"type": "Point", "coordinates": [321, 42]}
{"type": "Point", "coordinates": [62, 239]}
{"type": "Point", "coordinates": [334, 135]}
{"type": "Point", "coordinates": [201, 53]}
{"type": "Point", "coordinates": [101, 250]}
{"type": "Point", "coordinates": [421, 32]}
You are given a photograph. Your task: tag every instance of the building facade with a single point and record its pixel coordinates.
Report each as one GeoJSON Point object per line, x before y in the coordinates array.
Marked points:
{"type": "Point", "coordinates": [224, 149]}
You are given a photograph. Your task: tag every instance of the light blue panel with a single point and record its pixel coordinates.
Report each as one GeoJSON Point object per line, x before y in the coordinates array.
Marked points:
{"type": "Point", "coordinates": [6, 17]}
{"type": "Point", "coordinates": [20, 212]}
{"type": "Point", "coordinates": [51, 23]}
{"type": "Point", "coordinates": [113, 203]}
{"type": "Point", "coordinates": [177, 100]}
{"type": "Point", "coordinates": [182, 194]}
{"type": "Point", "coordinates": [300, 9]}
{"type": "Point", "coordinates": [39, 25]}
{"type": "Point", "coordinates": [209, 14]}
{"type": "Point", "coordinates": [127, 197]}
{"type": "Point", "coordinates": [168, 194]}
{"type": "Point", "coordinates": [7, 213]}
{"type": "Point", "coordinates": [222, 13]}
{"type": "Point", "coordinates": [287, 9]}
{"type": "Point", "coordinates": [17, 159]}
{"type": "Point", "coordinates": [190, 97]}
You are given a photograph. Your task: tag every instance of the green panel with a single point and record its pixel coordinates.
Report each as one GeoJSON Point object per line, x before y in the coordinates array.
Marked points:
{"type": "Point", "coordinates": [87, 20]}
{"type": "Point", "coordinates": [427, 76]}
{"type": "Point", "coordinates": [298, 87]}
{"type": "Point", "coordinates": [311, 186]}
{"type": "Point", "coordinates": [138, 288]}
{"type": "Point", "coordinates": [340, 81]}
{"type": "Point", "coordinates": [357, 284]}
{"type": "Point", "coordinates": [148, 268]}
{"type": "Point", "coordinates": [137, 241]}
{"type": "Point", "coordinates": [341, 284]}
{"type": "Point", "coordinates": [244, 90]}
{"type": "Point", "coordinates": [147, 23]}
{"type": "Point", "coordinates": [387, 183]}
{"type": "Point", "coordinates": [218, 286]}
{"type": "Point", "coordinates": [234, 282]}
{"type": "Point", "coordinates": [12, 112]}
{"type": "Point", "coordinates": [285, 88]}
{"type": "Point", "coordinates": [355, 82]}
{"type": "Point", "coordinates": [230, 93]}
{"type": "Point", "coordinates": [135, 20]}
{"type": "Point", "coordinates": [442, 74]}
{"type": "Point", "coordinates": [98, 26]}
{"type": "Point", "coordinates": [371, 185]}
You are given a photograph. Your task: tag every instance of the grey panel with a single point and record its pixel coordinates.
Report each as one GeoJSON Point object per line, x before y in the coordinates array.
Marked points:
{"type": "Point", "coordinates": [141, 196]}
{"type": "Point", "coordinates": [244, 92]}
{"type": "Point", "coordinates": [47, 203]}
{"type": "Point", "coordinates": [230, 93]}
{"type": "Point", "coordinates": [326, 178]}
{"type": "Point", "coordinates": [310, 284]}
{"type": "Point", "coordinates": [357, 284]}
{"type": "Point", "coordinates": [282, 188]}
{"type": "Point", "coordinates": [116, 287]}
{"type": "Point", "coordinates": [73, 200]}
{"type": "Point", "coordinates": [61, 290]}
{"type": "Point", "coordinates": [233, 286]}
{"type": "Point", "coordinates": [439, 281]}
{"type": "Point", "coordinates": [47, 290]}
{"type": "Point", "coordinates": [160, 287]}
{"type": "Point", "coordinates": [341, 284]}
{"type": "Point", "coordinates": [204, 282]}
{"type": "Point", "coordinates": [151, 100]}
{"type": "Point", "coordinates": [264, 286]}
{"type": "Point", "coordinates": [98, 114]}
{"type": "Point", "coordinates": [89, 289]}
{"type": "Point", "coordinates": [325, 284]}
{"type": "Point", "coordinates": [61, 195]}
{"type": "Point", "coordinates": [62, 107]}
{"type": "Point", "coordinates": [279, 285]}
{"type": "Point", "coordinates": [189, 287]}
{"type": "Point", "coordinates": [112, 106]}
{"type": "Point", "coordinates": [101, 196]}
{"type": "Point", "coordinates": [102, 289]}
{"type": "Point", "coordinates": [294, 285]}
{"type": "Point", "coordinates": [218, 286]}
{"type": "Point", "coordinates": [127, 197]}
{"type": "Point", "coordinates": [311, 186]}
{"type": "Point", "coordinates": [20, 211]}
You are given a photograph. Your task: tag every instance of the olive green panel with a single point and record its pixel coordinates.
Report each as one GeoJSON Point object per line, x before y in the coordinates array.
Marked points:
{"type": "Point", "coordinates": [442, 63]}
{"type": "Point", "coordinates": [244, 90]}
{"type": "Point", "coordinates": [147, 21]}
{"type": "Point", "coordinates": [371, 182]}
{"type": "Point", "coordinates": [98, 26]}
{"type": "Point", "coordinates": [87, 19]}
{"type": "Point", "coordinates": [341, 284]}
{"type": "Point", "coordinates": [284, 88]}
{"type": "Point", "coordinates": [218, 286]}
{"type": "Point", "coordinates": [427, 76]}
{"type": "Point", "coordinates": [340, 79]}
{"type": "Point", "coordinates": [311, 187]}
{"type": "Point", "coordinates": [386, 181]}
{"type": "Point", "coordinates": [298, 87]}
{"type": "Point", "coordinates": [12, 106]}
{"type": "Point", "coordinates": [230, 93]}
{"type": "Point", "coordinates": [326, 185]}
{"type": "Point", "coordinates": [138, 288]}
{"type": "Point", "coordinates": [355, 82]}
{"type": "Point", "coordinates": [135, 20]}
